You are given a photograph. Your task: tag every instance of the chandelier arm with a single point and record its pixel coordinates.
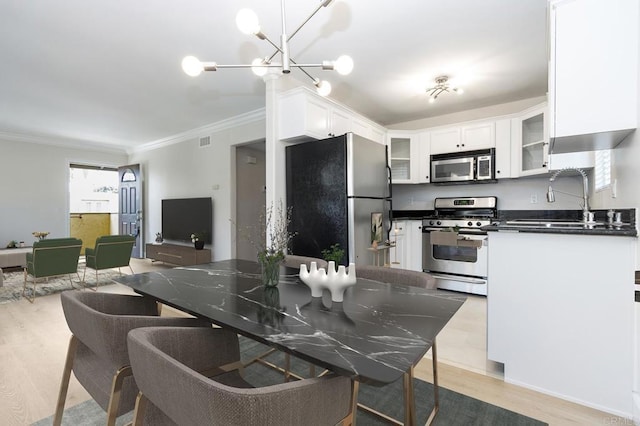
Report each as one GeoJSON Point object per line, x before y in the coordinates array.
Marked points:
{"type": "Point", "coordinates": [324, 4]}
{"type": "Point", "coordinates": [294, 65]}
{"type": "Point", "coordinates": [278, 50]}
{"type": "Point", "coordinates": [306, 73]}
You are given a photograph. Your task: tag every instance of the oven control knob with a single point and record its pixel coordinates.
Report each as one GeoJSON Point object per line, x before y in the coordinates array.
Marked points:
{"type": "Point", "coordinates": [469, 223]}
{"type": "Point", "coordinates": [438, 223]}
{"type": "Point", "coordinates": [431, 222]}
{"type": "Point", "coordinates": [479, 223]}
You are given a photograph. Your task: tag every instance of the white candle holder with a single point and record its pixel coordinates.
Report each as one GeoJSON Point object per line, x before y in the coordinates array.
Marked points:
{"type": "Point", "coordinates": [336, 282]}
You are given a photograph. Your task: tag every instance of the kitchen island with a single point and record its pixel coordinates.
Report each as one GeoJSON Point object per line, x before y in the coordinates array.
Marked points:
{"type": "Point", "coordinates": [560, 313]}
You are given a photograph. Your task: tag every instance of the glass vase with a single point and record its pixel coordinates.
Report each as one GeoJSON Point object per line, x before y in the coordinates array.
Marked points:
{"type": "Point", "coordinates": [270, 270]}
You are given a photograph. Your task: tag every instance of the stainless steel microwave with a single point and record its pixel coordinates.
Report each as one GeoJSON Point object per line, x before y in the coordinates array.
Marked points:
{"type": "Point", "coordinates": [463, 167]}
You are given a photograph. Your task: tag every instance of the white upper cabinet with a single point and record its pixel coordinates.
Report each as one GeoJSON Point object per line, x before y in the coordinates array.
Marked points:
{"type": "Point", "coordinates": [478, 136]}
{"type": "Point", "coordinates": [593, 73]}
{"type": "Point", "coordinates": [409, 157]}
{"type": "Point", "coordinates": [445, 140]}
{"type": "Point", "coordinates": [531, 142]}
{"type": "Point", "coordinates": [504, 159]}
{"type": "Point", "coordinates": [339, 122]}
{"type": "Point", "coordinates": [424, 157]}
{"type": "Point", "coordinates": [304, 115]}
{"type": "Point", "coordinates": [463, 138]}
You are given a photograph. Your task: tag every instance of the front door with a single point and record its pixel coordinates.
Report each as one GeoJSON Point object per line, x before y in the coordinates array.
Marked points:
{"type": "Point", "coordinates": [130, 206]}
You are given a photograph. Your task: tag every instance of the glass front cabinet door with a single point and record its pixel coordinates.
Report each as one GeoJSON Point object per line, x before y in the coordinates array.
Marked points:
{"type": "Point", "coordinates": [531, 131]}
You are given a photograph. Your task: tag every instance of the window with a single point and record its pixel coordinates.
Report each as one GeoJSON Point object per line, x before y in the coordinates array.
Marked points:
{"type": "Point", "coordinates": [602, 171]}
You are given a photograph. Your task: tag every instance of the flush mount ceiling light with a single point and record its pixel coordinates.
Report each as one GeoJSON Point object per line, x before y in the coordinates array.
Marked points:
{"type": "Point", "coordinates": [247, 22]}
{"type": "Point", "coordinates": [442, 85]}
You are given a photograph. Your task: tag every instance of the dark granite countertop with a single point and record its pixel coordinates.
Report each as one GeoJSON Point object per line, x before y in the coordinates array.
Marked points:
{"type": "Point", "coordinates": [626, 229]}
{"type": "Point", "coordinates": [623, 231]}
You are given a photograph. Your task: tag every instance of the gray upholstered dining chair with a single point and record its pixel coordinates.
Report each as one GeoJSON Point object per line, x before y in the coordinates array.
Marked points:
{"type": "Point", "coordinates": [97, 354]}
{"type": "Point", "coordinates": [294, 261]}
{"type": "Point", "coordinates": [185, 374]}
{"type": "Point", "coordinates": [396, 276]}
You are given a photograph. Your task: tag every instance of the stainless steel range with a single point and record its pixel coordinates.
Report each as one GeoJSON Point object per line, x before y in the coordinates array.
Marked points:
{"type": "Point", "coordinates": [454, 247]}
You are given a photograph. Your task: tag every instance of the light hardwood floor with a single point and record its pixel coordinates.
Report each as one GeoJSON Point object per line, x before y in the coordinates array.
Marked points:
{"type": "Point", "coordinates": [34, 338]}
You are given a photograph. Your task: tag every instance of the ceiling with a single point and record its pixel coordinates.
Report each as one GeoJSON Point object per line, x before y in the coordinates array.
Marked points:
{"type": "Point", "coordinates": [107, 72]}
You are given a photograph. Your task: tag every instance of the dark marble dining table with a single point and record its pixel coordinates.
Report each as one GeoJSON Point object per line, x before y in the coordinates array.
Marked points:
{"type": "Point", "coordinates": [374, 336]}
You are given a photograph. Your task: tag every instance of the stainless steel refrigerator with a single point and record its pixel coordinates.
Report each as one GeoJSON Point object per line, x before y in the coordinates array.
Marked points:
{"type": "Point", "coordinates": [334, 186]}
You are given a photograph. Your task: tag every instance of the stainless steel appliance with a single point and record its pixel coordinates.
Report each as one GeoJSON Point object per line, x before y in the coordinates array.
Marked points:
{"type": "Point", "coordinates": [454, 247]}
{"type": "Point", "coordinates": [463, 167]}
{"type": "Point", "coordinates": [334, 186]}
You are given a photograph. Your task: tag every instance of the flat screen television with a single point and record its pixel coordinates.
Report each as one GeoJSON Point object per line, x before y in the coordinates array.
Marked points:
{"type": "Point", "coordinates": [182, 217]}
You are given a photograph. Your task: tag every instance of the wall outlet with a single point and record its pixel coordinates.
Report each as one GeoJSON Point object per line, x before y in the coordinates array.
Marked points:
{"type": "Point", "coordinates": [534, 198]}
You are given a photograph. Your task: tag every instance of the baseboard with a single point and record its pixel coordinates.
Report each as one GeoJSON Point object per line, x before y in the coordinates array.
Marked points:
{"type": "Point", "coordinates": [636, 408]}
{"type": "Point", "coordinates": [628, 416]}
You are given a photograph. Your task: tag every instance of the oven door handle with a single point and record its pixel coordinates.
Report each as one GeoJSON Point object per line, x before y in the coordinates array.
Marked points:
{"type": "Point", "coordinates": [458, 278]}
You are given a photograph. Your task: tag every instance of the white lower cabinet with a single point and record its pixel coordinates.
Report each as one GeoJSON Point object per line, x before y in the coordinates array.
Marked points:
{"type": "Point", "coordinates": [551, 302]}
{"type": "Point", "coordinates": [407, 254]}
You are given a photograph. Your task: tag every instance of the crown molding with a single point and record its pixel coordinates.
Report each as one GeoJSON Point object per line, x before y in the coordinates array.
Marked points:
{"type": "Point", "coordinates": [238, 120]}
{"type": "Point", "coordinates": [88, 145]}
{"type": "Point", "coordinates": [50, 140]}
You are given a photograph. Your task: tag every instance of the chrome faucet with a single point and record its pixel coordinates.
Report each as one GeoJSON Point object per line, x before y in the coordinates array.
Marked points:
{"type": "Point", "coordinates": [587, 216]}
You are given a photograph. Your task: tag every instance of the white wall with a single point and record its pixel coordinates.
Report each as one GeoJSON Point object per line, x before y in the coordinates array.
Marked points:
{"type": "Point", "coordinates": [513, 194]}
{"type": "Point", "coordinates": [184, 169]}
{"type": "Point", "coordinates": [35, 187]}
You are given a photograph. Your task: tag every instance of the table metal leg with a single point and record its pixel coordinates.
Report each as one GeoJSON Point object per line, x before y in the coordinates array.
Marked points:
{"type": "Point", "coordinates": [410, 417]}
{"type": "Point", "coordinates": [409, 398]}
{"type": "Point", "coordinates": [436, 394]}
{"type": "Point", "coordinates": [354, 400]}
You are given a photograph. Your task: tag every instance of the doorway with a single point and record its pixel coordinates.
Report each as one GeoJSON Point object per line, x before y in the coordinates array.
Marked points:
{"type": "Point", "coordinates": [250, 197]}
{"type": "Point", "coordinates": [93, 202]}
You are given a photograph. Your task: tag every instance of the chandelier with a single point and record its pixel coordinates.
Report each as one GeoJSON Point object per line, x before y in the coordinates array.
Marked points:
{"type": "Point", "coordinates": [442, 85]}
{"type": "Point", "coordinates": [247, 22]}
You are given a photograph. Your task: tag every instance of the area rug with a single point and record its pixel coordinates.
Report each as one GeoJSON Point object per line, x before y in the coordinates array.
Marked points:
{"type": "Point", "coordinates": [11, 289]}
{"type": "Point", "coordinates": [455, 409]}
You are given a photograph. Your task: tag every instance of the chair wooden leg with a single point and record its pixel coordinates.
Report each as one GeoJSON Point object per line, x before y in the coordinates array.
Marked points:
{"type": "Point", "coordinates": [24, 288]}
{"type": "Point", "coordinates": [116, 389]}
{"type": "Point", "coordinates": [70, 280]}
{"type": "Point", "coordinates": [138, 412]}
{"type": "Point", "coordinates": [64, 384]}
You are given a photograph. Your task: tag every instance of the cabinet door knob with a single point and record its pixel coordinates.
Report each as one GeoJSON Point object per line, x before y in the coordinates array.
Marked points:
{"type": "Point", "coordinates": [497, 171]}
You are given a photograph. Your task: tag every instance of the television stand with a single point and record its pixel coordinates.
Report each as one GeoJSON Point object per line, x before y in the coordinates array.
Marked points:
{"type": "Point", "coordinates": [177, 254]}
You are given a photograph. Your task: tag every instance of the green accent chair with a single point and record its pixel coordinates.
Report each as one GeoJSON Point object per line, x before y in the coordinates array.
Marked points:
{"type": "Point", "coordinates": [51, 258]}
{"type": "Point", "coordinates": [110, 251]}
